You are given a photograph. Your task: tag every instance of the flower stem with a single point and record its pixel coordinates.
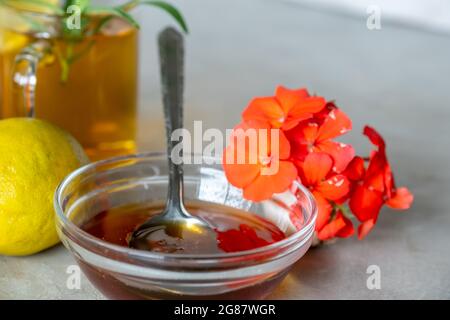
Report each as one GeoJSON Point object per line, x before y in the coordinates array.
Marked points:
{"type": "Point", "coordinates": [344, 209]}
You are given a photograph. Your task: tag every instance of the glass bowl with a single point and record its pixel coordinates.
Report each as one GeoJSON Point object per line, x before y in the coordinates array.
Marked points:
{"type": "Point", "coordinates": [125, 273]}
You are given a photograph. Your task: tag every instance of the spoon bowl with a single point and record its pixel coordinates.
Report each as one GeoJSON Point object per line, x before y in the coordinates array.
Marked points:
{"type": "Point", "coordinates": [171, 235]}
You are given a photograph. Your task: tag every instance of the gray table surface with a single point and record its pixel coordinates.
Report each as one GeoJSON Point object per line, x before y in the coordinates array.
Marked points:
{"type": "Point", "coordinates": [396, 79]}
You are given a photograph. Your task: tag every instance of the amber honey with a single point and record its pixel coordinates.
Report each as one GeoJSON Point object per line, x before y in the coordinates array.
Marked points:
{"type": "Point", "coordinates": [97, 101]}
{"type": "Point", "coordinates": [232, 230]}
{"type": "Point", "coordinates": [236, 230]}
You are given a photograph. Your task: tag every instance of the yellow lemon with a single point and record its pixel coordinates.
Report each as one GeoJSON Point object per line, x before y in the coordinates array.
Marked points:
{"type": "Point", "coordinates": [34, 157]}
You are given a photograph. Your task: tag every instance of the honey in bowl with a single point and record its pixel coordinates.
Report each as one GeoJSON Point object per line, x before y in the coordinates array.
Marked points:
{"type": "Point", "coordinates": [232, 230]}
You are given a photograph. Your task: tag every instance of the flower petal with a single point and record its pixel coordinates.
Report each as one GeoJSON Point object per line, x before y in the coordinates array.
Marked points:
{"type": "Point", "coordinates": [366, 203]}
{"type": "Point", "coordinates": [265, 109]}
{"type": "Point", "coordinates": [308, 105]}
{"type": "Point", "coordinates": [252, 139]}
{"type": "Point", "coordinates": [330, 230]}
{"type": "Point", "coordinates": [334, 188]}
{"type": "Point", "coordinates": [389, 181]}
{"type": "Point", "coordinates": [341, 153]}
{"type": "Point", "coordinates": [293, 120]}
{"type": "Point", "coordinates": [252, 124]}
{"type": "Point", "coordinates": [340, 226]}
{"type": "Point", "coordinates": [336, 124]}
{"type": "Point", "coordinates": [355, 170]}
{"type": "Point", "coordinates": [348, 230]}
{"type": "Point", "coordinates": [376, 171]}
{"type": "Point", "coordinates": [234, 240]}
{"type": "Point", "coordinates": [289, 98]}
{"type": "Point", "coordinates": [402, 199]}
{"type": "Point", "coordinates": [305, 133]}
{"type": "Point", "coordinates": [284, 150]}
{"type": "Point", "coordinates": [374, 137]}
{"type": "Point", "coordinates": [264, 186]}
{"type": "Point", "coordinates": [240, 160]}
{"type": "Point", "coordinates": [323, 114]}
{"type": "Point", "coordinates": [239, 175]}
{"type": "Point", "coordinates": [316, 167]}
{"type": "Point", "coordinates": [364, 228]}
{"type": "Point", "coordinates": [263, 134]}
{"type": "Point", "coordinates": [302, 139]}
{"type": "Point", "coordinates": [324, 209]}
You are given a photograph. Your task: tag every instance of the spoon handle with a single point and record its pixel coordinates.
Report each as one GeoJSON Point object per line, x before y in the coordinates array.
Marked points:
{"type": "Point", "coordinates": [171, 55]}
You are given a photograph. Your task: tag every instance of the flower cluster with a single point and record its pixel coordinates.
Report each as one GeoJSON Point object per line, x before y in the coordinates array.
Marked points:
{"type": "Point", "coordinates": [344, 185]}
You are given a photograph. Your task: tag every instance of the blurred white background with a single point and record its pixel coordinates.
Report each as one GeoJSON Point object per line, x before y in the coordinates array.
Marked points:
{"type": "Point", "coordinates": [432, 15]}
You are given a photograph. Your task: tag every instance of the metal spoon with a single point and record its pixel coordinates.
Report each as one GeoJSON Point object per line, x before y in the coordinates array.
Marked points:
{"type": "Point", "coordinates": [175, 220]}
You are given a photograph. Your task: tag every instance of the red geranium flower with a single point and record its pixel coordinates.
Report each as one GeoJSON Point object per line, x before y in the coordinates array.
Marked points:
{"type": "Point", "coordinates": [251, 173]}
{"type": "Point", "coordinates": [317, 175]}
{"type": "Point", "coordinates": [374, 186]}
{"type": "Point", "coordinates": [305, 149]}
{"type": "Point", "coordinates": [245, 238]}
{"type": "Point", "coordinates": [315, 135]}
{"type": "Point", "coordinates": [339, 226]}
{"type": "Point", "coordinates": [286, 109]}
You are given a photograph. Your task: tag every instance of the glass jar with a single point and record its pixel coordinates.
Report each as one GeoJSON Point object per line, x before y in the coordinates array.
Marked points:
{"type": "Point", "coordinates": [87, 85]}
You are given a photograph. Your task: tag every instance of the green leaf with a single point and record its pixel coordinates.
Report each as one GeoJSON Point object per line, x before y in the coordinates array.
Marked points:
{"type": "Point", "coordinates": [125, 15]}
{"type": "Point", "coordinates": [82, 4]}
{"type": "Point", "coordinates": [170, 9]}
{"type": "Point", "coordinates": [109, 11]}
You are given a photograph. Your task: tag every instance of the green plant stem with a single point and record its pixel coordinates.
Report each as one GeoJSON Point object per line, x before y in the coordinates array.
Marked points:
{"type": "Point", "coordinates": [344, 209]}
